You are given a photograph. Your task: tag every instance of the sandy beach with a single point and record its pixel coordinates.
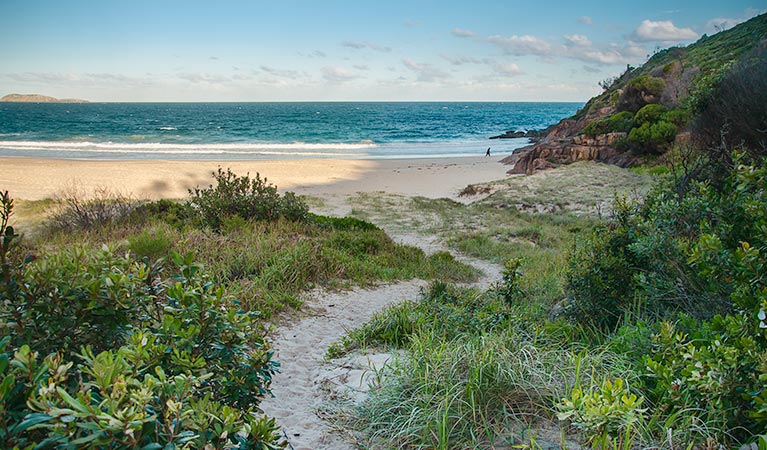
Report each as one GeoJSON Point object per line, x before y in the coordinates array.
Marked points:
{"type": "Point", "coordinates": [35, 179]}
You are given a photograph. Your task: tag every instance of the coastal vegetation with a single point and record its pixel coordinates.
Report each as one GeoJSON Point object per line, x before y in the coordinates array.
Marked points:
{"type": "Point", "coordinates": [144, 325]}
{"type": "Point", "coordinates": [630, 311]}
{"type": "Point", "coordinates": [696, 95]}
{"type": "Point", "coordinates": [642, 328]}
{"type": "Point", "coordinates": [645, 329]}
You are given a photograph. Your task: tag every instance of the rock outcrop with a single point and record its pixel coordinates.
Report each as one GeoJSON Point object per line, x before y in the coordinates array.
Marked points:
{"type": "Point", "coordinates": [668, 79]}
{"type": "Point", "coordinates": [564, 145]}
{"type": "Point", "coordinates": [533, 135]}
{"type": "Point", "coordinates": [37, 98]}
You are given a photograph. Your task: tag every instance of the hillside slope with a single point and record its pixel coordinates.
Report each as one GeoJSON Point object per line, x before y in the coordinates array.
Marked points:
{"type": "Point", "coordinates": [647, 109]}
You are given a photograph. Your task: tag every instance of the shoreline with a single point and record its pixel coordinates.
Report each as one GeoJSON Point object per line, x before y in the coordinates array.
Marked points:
{"type": "Point", "coordinates": [40, 178]}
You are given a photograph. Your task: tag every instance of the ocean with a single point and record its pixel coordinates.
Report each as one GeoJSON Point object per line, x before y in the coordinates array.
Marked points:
{"type": "Point", "coordinates": [244, 131]}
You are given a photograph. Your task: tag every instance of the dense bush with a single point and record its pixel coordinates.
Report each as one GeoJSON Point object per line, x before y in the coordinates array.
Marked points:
{"type": "Point", "coordinates": [639, 92]}
{"type": "Point", "coordinates": [154, 349]}
{"type": "Point", "coordinates": [701, 254]}
{"type": "Point", "coordinates": [653, 137]}
{"type": "Point", "coordinates": [619, 122]}
{"type": "Point", "coordinates": [251, 199]}
{"type": "Point", "coordinates": [649, 114]}
{"type": "Point", "coordinates": [732, 107]}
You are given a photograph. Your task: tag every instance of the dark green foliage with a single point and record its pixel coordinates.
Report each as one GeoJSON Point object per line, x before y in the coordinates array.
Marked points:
{"type": "Point", "coordinates": [622, 122]}
{"type": "Point", "coordinates": [600, 280]}
{"type": "Point", "coordinates": [649, 114]}
{"type": "Point", "coordinates": [508, 289]}
{"type": "Point", "coordinates": [678, 116]}
{"type": "Point", "coordinates": [619, 122]}
{"type": "Point", "coordinates": [168, 211]}
{"type": "Point", "coordinates": [733, 111]}
{"type": "Point", "coordinates": [639, 92]}
{"type": "Point", "coordinates": [252, 199]}
{"type": "Point", "coordinates": [652, 138]}
{"type": "Point", "coordinates": [341, 223]}
{"type": "Point", "coordinates": [169, 345]}
{"type": "Point", "coordinates": [705, 255]}
{"type": "Point", "coordinates": [153, 243]}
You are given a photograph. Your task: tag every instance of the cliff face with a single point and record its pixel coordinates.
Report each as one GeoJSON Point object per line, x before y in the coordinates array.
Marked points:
{"type": "Point", "coordinates": [37, 98]}
{"type": "Point", "coordinates": [644, 111]}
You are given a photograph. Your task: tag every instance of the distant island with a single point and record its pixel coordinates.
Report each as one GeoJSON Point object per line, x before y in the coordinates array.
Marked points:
{"type": "Point", "coordinates": [37, 98]}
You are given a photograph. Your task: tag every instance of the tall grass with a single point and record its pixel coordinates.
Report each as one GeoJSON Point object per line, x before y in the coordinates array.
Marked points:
{"type": "Point", "coordinates": [476, 369]}
{"type": "Point", "coordinates": [467, 392]}
{"type": "Point", "coordinates": [268, 264]}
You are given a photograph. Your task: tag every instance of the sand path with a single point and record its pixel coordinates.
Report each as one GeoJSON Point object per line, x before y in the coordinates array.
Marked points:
{"type": "Point", "coordinates": [307, 381]}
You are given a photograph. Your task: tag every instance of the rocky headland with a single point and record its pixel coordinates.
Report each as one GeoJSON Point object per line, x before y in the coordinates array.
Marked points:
{"type": "Point", "coordinates": [37, 98]}
{"type": "Point", "coordinates": [645, 111]}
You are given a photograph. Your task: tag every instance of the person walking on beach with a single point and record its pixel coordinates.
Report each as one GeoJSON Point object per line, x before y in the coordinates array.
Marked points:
{"type": "Point", "coordinates": [488, 152]}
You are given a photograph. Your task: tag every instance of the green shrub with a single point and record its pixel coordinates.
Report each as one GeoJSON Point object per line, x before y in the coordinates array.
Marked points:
{"type": "Point", "coordinates": [508, 289]}
{"type": "Point", "coordinates": [152, 243]}
{"type": "Point", "coordinates": [639, 92]}
{"type": "Point", "coordinates": [341, 223]}
{"type": "Point", "coordinates": [251, 199]}
{"type": "Point", "coordinates": [620, 122]}
{"type": "Point", "coordinates": [649, 114]}
{"type": "Point", "coordinates": [652, 137]}
{"type": "Point", "coordinates": [702, 254]}
{"type": "Point", "coordinates": [596, 127]}
{"type": "Point", "coordinates": [605, 414]}
{"type": "Point", "coordinates": [169, 347]}
{"type": "Point", "coordinates": [74, 298]}
{"type": "Point", "coordinates": [717, 376]}
{"type": "Point", "coordinates": [173, 213]}
{"type": "Point", "coordinates": [119, 399]}
{"type": "Point", "coordinates": [678, 116]}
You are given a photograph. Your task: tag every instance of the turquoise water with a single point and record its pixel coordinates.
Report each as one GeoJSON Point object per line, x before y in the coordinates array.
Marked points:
{"type": "Point", "coordinates": [192, 131]}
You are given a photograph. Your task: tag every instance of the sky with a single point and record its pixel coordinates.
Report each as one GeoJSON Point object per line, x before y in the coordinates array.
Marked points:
{"type": "Point", "coordinates": [332, 50]}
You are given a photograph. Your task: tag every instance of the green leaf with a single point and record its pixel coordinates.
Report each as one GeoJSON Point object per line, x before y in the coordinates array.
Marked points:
{"type": "Point", "coordinates": [86, 439]}
{"type": "Point", "coordinates": [152, 446]}
{"type": "Point", "coordinates": [6, 386]}
{"type": "Point", "coordinates": [31, 420]}
{"type": "Point", "coordinates": [71, 401]}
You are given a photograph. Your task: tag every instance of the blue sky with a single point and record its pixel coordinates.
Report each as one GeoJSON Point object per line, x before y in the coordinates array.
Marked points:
{"type": "Point", "coordinates": [237, 50]}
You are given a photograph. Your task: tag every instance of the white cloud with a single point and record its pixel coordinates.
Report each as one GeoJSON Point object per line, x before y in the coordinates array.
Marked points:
{"type": "Point", "coordinates": [522, 45]}
{"type": "Point", "coordinates": [337, 74]}
{"type": "Point", "coordinates": [507, 69]}
{"type": "Point", "coordinates": [662, 31]}
{"type": "Point", "coordinates": [425, 72]}
{"type": "Point", "coordinates": [585, 20]}
{"type": "Point", "coordinates": [459, 32]}
{"type": "Point", "coordinates": [613, 56]}
{"type": "Point", "coordinates": [576, 46]}
{"type": "Point", "coordinates": [462, 60]}
{"type": "Point", "coordinates": [204, 78]}
{"type": "Point", "coordinates": [359, 45]}
{"type": "Point", "coordinates": [578, 40]}
{"type": "Point", "coordinates": [361, 67]}
{"type": "Point", "coordinates": [281, 73]}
